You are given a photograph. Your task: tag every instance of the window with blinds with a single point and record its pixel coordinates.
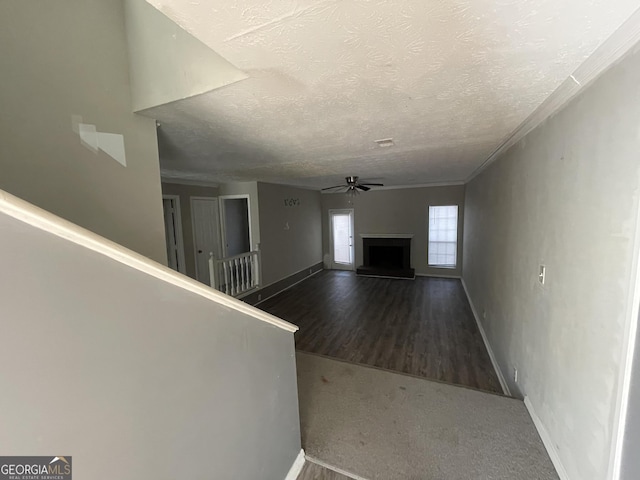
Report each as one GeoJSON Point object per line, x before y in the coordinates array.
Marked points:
{"type": "Point", "coordinates": [443, 236]}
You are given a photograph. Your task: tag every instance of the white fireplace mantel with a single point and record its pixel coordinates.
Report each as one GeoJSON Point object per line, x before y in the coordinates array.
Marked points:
{"type": "Point", "coordinates": [386, 235]}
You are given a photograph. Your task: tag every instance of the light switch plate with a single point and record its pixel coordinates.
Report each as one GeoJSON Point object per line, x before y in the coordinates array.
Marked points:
{"type": "Point", "coordinates": [542, 274]}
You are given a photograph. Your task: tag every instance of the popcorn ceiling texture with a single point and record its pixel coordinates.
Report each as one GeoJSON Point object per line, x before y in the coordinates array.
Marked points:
{"type": "Point", "coordinates": [447, 80]}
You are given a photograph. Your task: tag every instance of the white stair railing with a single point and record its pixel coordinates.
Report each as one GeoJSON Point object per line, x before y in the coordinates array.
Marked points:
{"type": "Point", "coordinates": [235, 275]}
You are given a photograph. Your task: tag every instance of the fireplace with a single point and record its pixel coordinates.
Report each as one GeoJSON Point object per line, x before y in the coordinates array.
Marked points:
{"type": "Point", "coordinates": [386, 256]}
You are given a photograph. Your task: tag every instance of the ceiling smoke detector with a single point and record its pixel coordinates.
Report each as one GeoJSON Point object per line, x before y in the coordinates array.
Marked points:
{"type": "Point", "coordinates": [385, 142]}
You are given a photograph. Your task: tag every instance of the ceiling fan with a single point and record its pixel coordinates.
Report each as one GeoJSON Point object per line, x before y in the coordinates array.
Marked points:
{"type": "Point", "coordinates": [352, 186]}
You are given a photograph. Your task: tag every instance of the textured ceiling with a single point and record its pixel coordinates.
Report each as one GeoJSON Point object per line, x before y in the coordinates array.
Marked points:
{"type": "Point", "coordinates": [448, 80]}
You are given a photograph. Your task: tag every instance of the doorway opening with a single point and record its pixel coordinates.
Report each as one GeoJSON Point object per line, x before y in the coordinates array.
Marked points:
{"type": "Point", "coordinates": [236, 224]}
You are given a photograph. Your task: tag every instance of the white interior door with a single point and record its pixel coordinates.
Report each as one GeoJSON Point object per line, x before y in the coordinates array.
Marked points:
{"type": "Point", "coordinates": [342, 247]}
{"type": "Point", "coordinates": [206, 234]}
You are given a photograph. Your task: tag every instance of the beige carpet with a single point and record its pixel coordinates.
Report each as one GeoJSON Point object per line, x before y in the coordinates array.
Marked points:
{"type": "Point", "coordinates": [383, 425]}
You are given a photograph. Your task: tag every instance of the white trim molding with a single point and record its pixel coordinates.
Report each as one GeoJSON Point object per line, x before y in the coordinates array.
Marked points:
{"type": "Point", "coordinates": [192, 183]}
{"type": "Point", "coordinates": [386, 235]}
{"type": "Point", "coordinates": [435, 275]}
{"type": "Point", "coordinates": [296, 466]}
{"type": "Point", "coordinates": [334, 468]}
{"type": "Point", "coordinates": [494, 361]}
{"type": "Point", "coordinates": [48, 222]}
{"type": "Point", "coordinates": [609, 52]}
{"type": "Point", "coordinates": [454, 183]}
{"type": "Point", "coordinates": [546, 440]}
{"type": "Point", "coordinates": [286, 288]}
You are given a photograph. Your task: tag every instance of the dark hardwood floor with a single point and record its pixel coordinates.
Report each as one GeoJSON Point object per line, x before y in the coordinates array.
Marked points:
{"type": "Point", "coordinates": [423, 327]}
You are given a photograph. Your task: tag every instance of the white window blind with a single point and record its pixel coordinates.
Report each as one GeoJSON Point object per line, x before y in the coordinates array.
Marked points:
{"type": "Point", "coordinates": [443, 236]}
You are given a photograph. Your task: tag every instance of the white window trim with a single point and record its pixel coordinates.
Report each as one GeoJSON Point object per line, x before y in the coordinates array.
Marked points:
{"type": "Point", "coordinates": [444, 267]}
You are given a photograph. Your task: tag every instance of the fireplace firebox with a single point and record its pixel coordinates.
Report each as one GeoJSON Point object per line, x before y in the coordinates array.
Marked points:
{"type": "Point", "coordinates": [386, 256]}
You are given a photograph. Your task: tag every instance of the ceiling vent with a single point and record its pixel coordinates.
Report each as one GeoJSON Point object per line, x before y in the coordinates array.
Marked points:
{"type": "Point", "coordinates": [385, 142]}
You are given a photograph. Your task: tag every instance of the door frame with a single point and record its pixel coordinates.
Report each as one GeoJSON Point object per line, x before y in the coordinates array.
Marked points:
{"type": "Point", "coordinates": [182, 267]}
{"type": "Point", "coordinates": [223, 232]}
{"type": "Point", "coordinates": [193, 228]}
{"type": "Point", "coordinates": [351, 213]}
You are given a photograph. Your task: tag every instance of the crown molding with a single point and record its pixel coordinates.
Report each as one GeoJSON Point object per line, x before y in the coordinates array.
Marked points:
{"type": "Point", "coordinates": [192, 183]}
{"type": "Point", "coordinates": [607, 54]}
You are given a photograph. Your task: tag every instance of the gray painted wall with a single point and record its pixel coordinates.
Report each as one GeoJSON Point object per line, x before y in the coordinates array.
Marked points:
{"type": "Point", "coordinates": [565, 196]}
{"type": "Point", "coordinates": [70, 58]}
{"type": "Point", "coordinates": [630, 458]}
{"type": "Point", "coordinates": [403, 210]}
{"type": "Point", "coordinates": [104, 362]}
{"type": "Point", "coordinates": [185, 192]}
{"type": "Point", "coordinates": [290, 236]}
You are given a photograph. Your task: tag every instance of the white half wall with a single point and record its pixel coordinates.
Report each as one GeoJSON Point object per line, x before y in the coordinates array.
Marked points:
{"type": "Point", "coordinates": [566, 197]}
{"type": "Point", "coordinates": [108, 363]}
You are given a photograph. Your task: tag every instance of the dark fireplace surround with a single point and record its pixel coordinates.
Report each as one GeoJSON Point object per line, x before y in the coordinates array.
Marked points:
{"type": "Point", "coordinates": [386, 257]}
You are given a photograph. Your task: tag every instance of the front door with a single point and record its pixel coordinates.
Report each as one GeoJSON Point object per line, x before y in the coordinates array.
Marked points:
{"type": "Point", "coordinates": [341, 228]}
{"type": "Point", "coordinates": [206, 234]}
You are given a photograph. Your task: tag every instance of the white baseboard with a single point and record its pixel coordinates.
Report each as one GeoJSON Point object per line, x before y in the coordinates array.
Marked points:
{"type": "Point", "coordinates": [546, 440]}
{"type": "Point", "coordinates": [296, 467]}
{"type": "Point", "coordinates": [496, 367]}
{"type": "Point", "coordinates": [433, 275]}
{"type": "Point", "coordinates": [334, 469]}
{"type": "Point", "coordinates": [286, 288]}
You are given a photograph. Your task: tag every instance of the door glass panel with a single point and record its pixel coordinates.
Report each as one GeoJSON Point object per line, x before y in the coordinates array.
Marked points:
{"type": "Point", "coordinates": [341, 224]}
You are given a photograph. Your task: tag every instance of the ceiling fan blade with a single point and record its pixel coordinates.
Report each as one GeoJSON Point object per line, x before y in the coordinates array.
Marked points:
{"type": "Point", "coordinates": [363, 188]}
{"type": "Point", "coordinates": [335, 186]}
{"type": "Point", "coordinates": [373, 184]}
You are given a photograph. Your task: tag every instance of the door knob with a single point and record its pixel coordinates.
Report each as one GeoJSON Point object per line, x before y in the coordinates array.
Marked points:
{"type": "Point", "coordinates": [199, 251]}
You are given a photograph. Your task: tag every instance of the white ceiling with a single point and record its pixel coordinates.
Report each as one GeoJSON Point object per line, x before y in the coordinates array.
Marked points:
{"type": "Point", "coordinates": [448, 80]}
